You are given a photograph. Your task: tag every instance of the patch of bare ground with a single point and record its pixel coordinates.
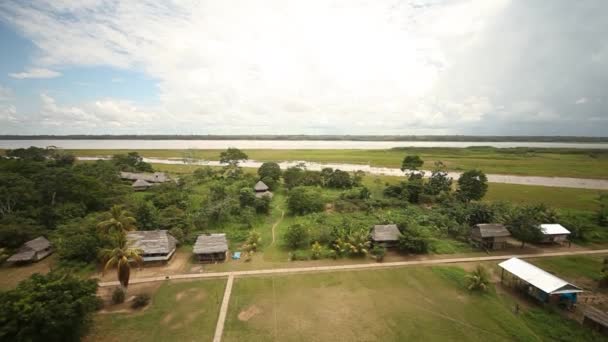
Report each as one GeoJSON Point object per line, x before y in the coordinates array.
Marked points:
{"type": "Point", "coordinates": [248, 313]}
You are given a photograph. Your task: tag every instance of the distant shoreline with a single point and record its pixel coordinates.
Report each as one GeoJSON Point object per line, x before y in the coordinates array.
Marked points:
{"type": "Point", "coordinates": [413, 138]}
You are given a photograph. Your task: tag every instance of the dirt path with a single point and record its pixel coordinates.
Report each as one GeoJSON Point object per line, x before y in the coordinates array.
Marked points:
{"type": "Point", "coordinates": [219, 328]}
{"type": "Point", "coordinates": [313, 269]}
{"type": "Point", "coordinates": [275, 225]}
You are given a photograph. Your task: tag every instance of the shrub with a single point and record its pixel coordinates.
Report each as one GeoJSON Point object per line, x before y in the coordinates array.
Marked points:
{"type": "Point", "coordinates": [296, 236]}
{"type": "Point", "coordinates": [304, 200]}
{"type": "Point", "coordinates": [140, 301]}
{"type": "Point", "coordinates": [118, 296]}
{"type": "Point", "coordinates": [414, 240]}
{"type": "Point", "coordinates": [299, 255]}
{"type": "Point", "coordinates": [316, 251]}
{"type": "Point", "coordinates": [379, 252]}
{"type": "Point", "coordinates": [478, 280]}
{"type": "Point", "coordinates": [178, 234]}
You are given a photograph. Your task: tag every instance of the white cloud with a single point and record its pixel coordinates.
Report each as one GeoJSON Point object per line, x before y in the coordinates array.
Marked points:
{"type": "Point", "coordinates": [582, 100]}
{"type": "Point", "coordinates": [35, 73]}
{"type": "Point", "coordinates": [276, 66]}
{"type": "Point", "coordinates": [5, 94]}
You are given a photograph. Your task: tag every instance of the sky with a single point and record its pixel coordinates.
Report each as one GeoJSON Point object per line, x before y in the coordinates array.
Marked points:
{"type": "Point", "coordinates": [471, 67]}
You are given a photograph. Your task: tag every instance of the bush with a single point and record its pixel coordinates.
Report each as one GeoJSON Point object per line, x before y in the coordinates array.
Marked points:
{"type": "Point", "coordinates": [299, 255]}
{"type": "Point", "coordinates": [414, 240]}
{"type": "Point", "coordinates": [140, 301]}
{"type": "Point", "coordinates": [304, 200]}
{"type": "Point", "coordinates": [178, 234]}
{"type": "Point", "coordinates": [379, 252]}
{"type": "Point", "coordinates": [296, 236]}
{"type": "Point", "coordinates": [316, 251]}
{"type": "Point", "coordinates": [118, 296]}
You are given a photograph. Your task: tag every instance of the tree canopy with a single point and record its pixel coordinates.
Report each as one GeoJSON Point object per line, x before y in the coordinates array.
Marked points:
{"type": "Point", "coordinates": [52, 307]}
{"type": "Point", "coordinates": [233, 156]}
{"type": "Point", "coordinates": [411, 163]}
{"type": "Point", "coordinates": [472, 185]}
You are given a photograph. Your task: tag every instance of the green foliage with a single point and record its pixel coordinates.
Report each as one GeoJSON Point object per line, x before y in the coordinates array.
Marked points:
{"type": "Point", "coordinates": [523, 222]}
{"type": "Point", "coordinates": [602, 214]}
{"type": "Point", "coordinates": [303, 200]}
{"type": "Point", "coordinates": [246, 197]}
{"type": "Point", "coordinates": [297, 236]}
{"type": "Point", "coordinates": [479, 279]}
{"type": "Point", "coordinates": [146, 215]}
{"type": "Point", "coordinates": [270, 174]}
{"type": "Point", "coordinates": [253, 242]}
{"type": "Point", "coordinates": [414, 239]}
{"type": "Point", "coordinates": [118, 296]}
{"type": "Point", "coordinates": [232, 156]}
{"type": "Point", "coordinates": [411, 163]}
{"type": "Point", "coordinates": [378, 252]}
{"type": "Point", "coordinates": [78, 240]}
{"type": "Point", "coordinates": [554, 327]}
{"type": "Point", "coordinates": [178, 234]}
{"type": "Point", "coordinates": [472, 185]}
{"type": "Point", "coordinates": [339, 179]}
{"type": "Point", "coordinates": [316, 251]}
{"type": "Point", "coordinates": [439, 181]}
{"type": "Point", "coordinates": [140, 301]}
{"type": "Point", "coordinates": [262, 205]}
{"type": "Point", "coordinates": [131, 162]}
{"type": "Point", "coordinates": [15, 230]}
{"type": "Point", "coordinates": [52, 307]}
{"type": "Point", "coordinates": [351, 242]}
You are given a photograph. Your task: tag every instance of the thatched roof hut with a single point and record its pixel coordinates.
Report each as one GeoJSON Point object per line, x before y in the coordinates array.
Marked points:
{"type": "Point", "coordinates": [490, 235]}
{"type": "Point", "coordinates": [211, 247]}
{"type": "Point", "coordinates": [32, 250]}
{"type": "Point", "coordinates": [140, 185]}
{"type": "Point", "coordinates": [155, 245]}
{"type": "Point", "coordinates": [261, 187]}
{"type": "Point", "coordinates": [385, 234]}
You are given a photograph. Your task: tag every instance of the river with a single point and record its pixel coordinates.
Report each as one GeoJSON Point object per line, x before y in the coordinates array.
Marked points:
{"type": "Point", "coordinates": [276, 144]}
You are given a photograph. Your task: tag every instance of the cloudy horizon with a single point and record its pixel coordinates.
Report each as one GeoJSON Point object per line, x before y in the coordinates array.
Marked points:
{"type": "Point", "coordinates": [466, 67]}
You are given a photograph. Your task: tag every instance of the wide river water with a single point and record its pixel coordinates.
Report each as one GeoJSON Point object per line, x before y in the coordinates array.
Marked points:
{"type": "Point", "coordinates": [276, 144]}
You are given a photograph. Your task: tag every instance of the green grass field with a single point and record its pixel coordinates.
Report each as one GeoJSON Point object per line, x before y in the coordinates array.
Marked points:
{"type": "Point", "coordinates": [576, 267]}
{"type": "Point", "coordinates": [563, 198]}
{"type": "Point", "coordinates": [419, 304]}
{"type": "Point", "coordinates": [179, 311]}
{"type": "Point", "coordinates": [537, 162]}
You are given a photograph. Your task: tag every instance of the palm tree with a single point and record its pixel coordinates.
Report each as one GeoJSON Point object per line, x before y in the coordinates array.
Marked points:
{"type": "Point", "coordinates": [121, 256]}
{"type": "Point", "coordinates": [479, 279]}
{"type": "Point", "coordinates": [119, 222]}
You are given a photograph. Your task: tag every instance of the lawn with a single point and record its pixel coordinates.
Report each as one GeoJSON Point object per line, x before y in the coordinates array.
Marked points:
{"type": "Point", "coordinates": [179, 311]}
{"type": "Point", "coordinates": [563, 198]}
{"type": "Point", "coordinates": [420, 304]}
{"type": "Point", "coordinates": [518, 161]}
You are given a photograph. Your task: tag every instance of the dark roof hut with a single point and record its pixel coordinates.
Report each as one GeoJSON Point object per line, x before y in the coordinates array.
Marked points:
{"type": "Point", "coordinates": [211, 247]}
{"type": "Point", "coordinates": [32, 250]}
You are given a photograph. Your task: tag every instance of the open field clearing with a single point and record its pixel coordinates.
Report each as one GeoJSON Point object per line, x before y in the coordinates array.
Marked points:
{"type": "Point", "coordinates": [526, 162]}
{"type": "Point", "coordinates": [178, 311]}
{"type": "Point", "coordinates": [429, 304]}
{"type": "Point", "coordinates": [562, 198]}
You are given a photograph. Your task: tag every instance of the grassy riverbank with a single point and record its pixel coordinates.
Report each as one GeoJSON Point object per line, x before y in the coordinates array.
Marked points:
{"type": "Point", "coordinates": [516, 161]}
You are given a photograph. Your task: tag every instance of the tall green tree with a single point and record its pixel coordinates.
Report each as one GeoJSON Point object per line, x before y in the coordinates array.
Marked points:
{"type": "Point", "coordinates": [297, 236]}
{"type": "Point", "coordinates": [233, 156]}
{"type": "Point", "coordinates": [411, 163]}
{"type": "Point", "coordinates": [121, 256]}
{"type": "Point", "coordinates": [270, 172]}
{"type": "Point", "coordinates": [131, 162]}
{"type": "Point", "coordinates": [303, 200]}
{"type": "Point", "coordinates": [119, 222]}
{"type": "Point", "coordinates": [472, 185]}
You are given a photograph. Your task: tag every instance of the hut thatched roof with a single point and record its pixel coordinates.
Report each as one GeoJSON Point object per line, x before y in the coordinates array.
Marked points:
{"type": "Point", "coordinates": [156, 177]}
{"type": "Point", "coordinates": [211, 243]}
{"type": "Point", "coordinates": [140, 183]}
{"type": "Point", "coordinates": [152, 241]}
{"type": "Point", "coordinates": [387, 232]}
{"type": "Point", "coordinates": [492, 230]}
{"type": "Point", "coordinates": [29, 249]}
{"type": "Point", "coordinates": [260, 186]}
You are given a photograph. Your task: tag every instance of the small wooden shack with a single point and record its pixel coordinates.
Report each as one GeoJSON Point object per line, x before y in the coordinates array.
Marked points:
{"type": "Point", "coordinates": [490, 235]}
{"type": "Point", "coordinates": [385, 235]}
{"type": "Point", "coordinates": [32, 251]}
{"type": "Point", "coordinates": [554, 233]}
{"type": "Point", "coordinates": [211, 247]}
{"type": "Point", "coordinates": [538, 283]}
{"type": "Point", "coordinates": [140, 185]}
{"type": "Point", "coordinates": [596, 319]}
{"type": "Point", "coordinates": [155, 245]}
{"type": "Point", "coordinates": [261, 190]}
